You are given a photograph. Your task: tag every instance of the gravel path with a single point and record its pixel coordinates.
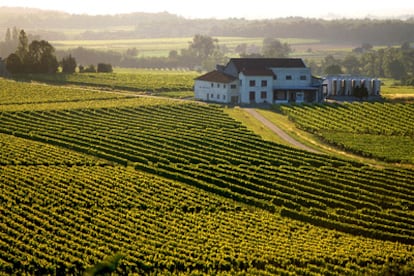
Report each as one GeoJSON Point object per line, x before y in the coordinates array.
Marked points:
{"type": "Point", "coordinates": [278, 131]}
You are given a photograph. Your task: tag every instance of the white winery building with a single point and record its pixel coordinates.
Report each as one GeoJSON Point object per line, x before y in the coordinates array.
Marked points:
{"type": "Point", "coordinates": [259, 80]}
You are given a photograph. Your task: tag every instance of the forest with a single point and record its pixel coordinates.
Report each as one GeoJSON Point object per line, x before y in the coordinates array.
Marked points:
{"type": "Point", "coordinates": [383, 48]}
{"type": "Point", "coordinates": [50, 24]}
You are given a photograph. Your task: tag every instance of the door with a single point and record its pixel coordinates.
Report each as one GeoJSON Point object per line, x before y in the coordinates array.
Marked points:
{"type": "Point", "coordinates": [300, 97]}
{"type": "Point", "coordinates": [252, 96]}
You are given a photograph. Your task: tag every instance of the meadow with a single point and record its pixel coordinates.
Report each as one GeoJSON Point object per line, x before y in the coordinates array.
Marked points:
{"type": "Point", "coordinates": [161, 47]}
{"type": "Point", "coordinates": [179, 187]}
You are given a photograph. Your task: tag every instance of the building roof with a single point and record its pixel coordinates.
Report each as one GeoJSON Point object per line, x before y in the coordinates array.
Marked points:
{"type": "Point", "coordinates": [266, 63]}
{"type": "Point", "coordinates": [258, 72]}
{"type": "Point", "coordinates": [216, 76]}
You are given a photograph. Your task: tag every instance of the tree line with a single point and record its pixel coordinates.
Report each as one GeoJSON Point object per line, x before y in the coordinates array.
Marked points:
{"type": "Point", "coordinates": [150, 25]}
{"type": "Point", "coordinates": [203, 53]}
{"type": "Point", "coordinates": [391, 62]}
{"type": "Point", "coordinates": [39, 56]}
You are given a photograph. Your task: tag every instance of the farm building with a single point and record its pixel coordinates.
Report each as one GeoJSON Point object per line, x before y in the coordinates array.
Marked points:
{"type": "Point", "coordinates": [259, 80]}
{"type": "Point", "coordinates": [335, 86]}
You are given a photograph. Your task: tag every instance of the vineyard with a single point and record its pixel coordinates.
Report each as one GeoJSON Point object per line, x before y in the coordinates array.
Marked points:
{"type": "Point", "coordinates": [180, 187]}
{"type": "Point", "coordinates": [154, 81]}
{"type": "Point", "coordinates": [379, 130]}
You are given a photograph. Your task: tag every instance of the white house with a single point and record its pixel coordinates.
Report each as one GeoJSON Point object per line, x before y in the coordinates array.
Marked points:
{"type": "Point", "coordinates": [259, 80]}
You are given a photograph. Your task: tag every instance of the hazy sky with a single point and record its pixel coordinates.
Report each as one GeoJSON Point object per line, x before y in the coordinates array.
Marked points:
{"type": "Point", "coordinates": [229, 8]}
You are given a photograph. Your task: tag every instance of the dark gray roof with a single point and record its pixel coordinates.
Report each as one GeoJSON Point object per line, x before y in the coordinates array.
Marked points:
{"type": "Point", "coordinates": [265, 63]}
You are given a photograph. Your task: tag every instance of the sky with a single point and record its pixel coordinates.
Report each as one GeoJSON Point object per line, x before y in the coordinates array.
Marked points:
{"type": "Point", "coordinates": [253, 9]}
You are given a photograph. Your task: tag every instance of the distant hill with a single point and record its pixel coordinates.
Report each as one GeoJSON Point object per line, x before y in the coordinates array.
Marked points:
{"type": "Point", "coordinates": [54, 25]}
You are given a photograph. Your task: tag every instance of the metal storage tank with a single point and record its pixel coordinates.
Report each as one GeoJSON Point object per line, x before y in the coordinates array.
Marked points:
{"type": "Point", "coordinates": [348, 87]}
{"type": "Point", "coordinates": [376, 87]}
{"type": "Point", "coordinates": [334, 87]}
{"type": "Point", "coordinates": [343, 87]}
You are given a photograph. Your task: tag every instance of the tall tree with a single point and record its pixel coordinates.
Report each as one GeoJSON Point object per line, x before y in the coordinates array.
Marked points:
{"type": "Point", "coordinates": [23, 46]}
{"type": "Point", "coordinates": [351, 64]}
{"type": "Point", "coordinates": [15, 34]}
{"type": "Point", "coordinates": [8, 37]}
{"type": "Point", "coordinates": [203, 46]}
{"type": "Point", "coordinates": [274, 48]}
{"type": "Point", "coordinates": [41, 58]}
{"type": "Point", "coordinates": [68, 65]}
{"type": "Point", "coordinates": [14, 64]}
{"type": "Point", "coordinates": [393, 64]}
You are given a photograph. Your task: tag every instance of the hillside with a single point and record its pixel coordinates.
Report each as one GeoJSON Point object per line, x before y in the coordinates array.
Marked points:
{"type": "Point", "coordinates": [181, 187]}
{"type": "Point", "coordinates": [59, 26]}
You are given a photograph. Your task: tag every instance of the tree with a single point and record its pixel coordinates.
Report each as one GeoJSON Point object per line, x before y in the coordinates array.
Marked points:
{"type": "Point", "coordinates": [132, 52]}
{"type": "Point", "coordinates": [173, 54]}
{"type": "Point", "coordinates": [203, 46]}
{"type": "Point", "coordinates": [395, 69]}
{"type": "Point", "coordinates": [393, 64]}
{"type": "Point", "coordinates": [23, 46]}
{"type": "Point", "coordinates": [14, 64]}
{"type": "Point", "coordinates": [333, 69]}
{"type": "Point", "coordinates": [8, 35]}
{"type": "Point", "coordinates": [104, 68]}
{"type": "Point", "coordinates": [274, 48]}
{"type": "Point", "coordinates": [351, 64]}
{"type": "Point", "coordinates": [68, 64]}
{"type": "Point", "coordinates": [41, 58]}
{"type": "Point", "coordinates": [331, 65]}
{"type": "Point", "coordinates": [15, 34]}
{"type": "Point", "coordinates": [90, 69]}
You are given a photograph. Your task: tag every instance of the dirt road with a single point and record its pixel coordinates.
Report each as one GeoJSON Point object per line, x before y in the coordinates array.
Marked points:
{"type": "Point", "coordinates": [278, 131]}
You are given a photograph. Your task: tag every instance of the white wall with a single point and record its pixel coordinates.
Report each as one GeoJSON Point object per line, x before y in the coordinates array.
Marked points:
{"type": "Point", "coordinates": [281, 80]}
{"type": "Point", "coordinates": [214, 91]}
{"type": "Point", "coordinates": [246, 88]}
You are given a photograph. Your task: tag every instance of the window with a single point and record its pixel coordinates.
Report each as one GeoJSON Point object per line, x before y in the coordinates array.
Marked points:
{"type": "Point", "coordinates": [280, 95]}
{"type": "Point", "coordinates": [212, 95]}
{"type": "Point", "coordinates": [218, 85]}
{"type": "Point", "coordinates": [218, 96]}
{"type": "Point", "coordinates": [275, 77]}
{"type": "Point", "coordinates": [224, 97]}
{"type": "Point", "coordinates": [252, 96]}
{"type": "Point", "coordinates": [264, 83]}
{"type": "Point", "coordinates": [252, 83]}
{"type": "Point", "coordinates": [212, 84]}
{"type": "Point", "coordinates": [303, 77]}
{"type": "Point", "coordinates": [224, 86]}
{"type": "Point", "coordinates": [263, 95]}
{"type": "Point", "coordinates": [233, 86]}
{"type": "Point", "coordinates": [289, 77]}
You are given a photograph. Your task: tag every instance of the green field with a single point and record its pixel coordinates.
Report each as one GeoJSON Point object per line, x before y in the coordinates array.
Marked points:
{"type": "Point", "coordinates": [162, 46]}
{"type": "Point", "coordinates": [179, 187]}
